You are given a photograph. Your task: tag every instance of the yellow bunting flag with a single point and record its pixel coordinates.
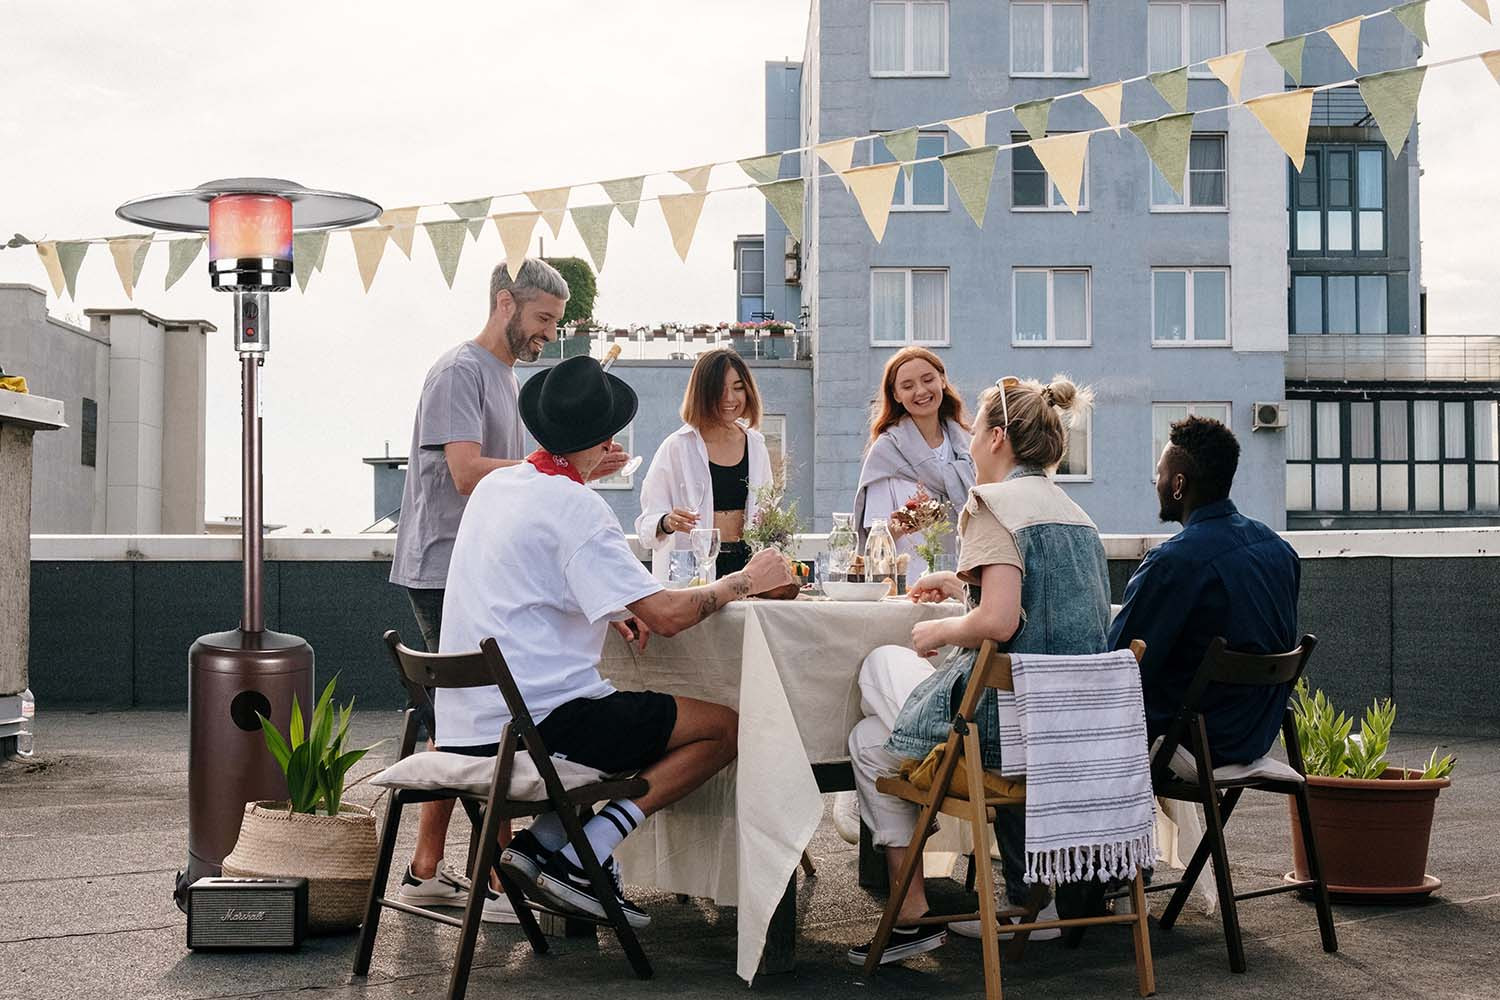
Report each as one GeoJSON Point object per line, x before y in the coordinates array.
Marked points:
{"type": "Point", "coordinates": [1230, 69]}
{"type": "Point", "coordinates": [129, 253]}
{"type": "Point", "coordinates": [762, 169]}
{"type": "Point", "coordinates": [403, 223]}
{"type": "Point", "coordinates": [1285, 117]}
{"type": "Point", "coordinates": [872, 188]}
{"type": "Point", "coordinates": [786, 197]}
{"type": "Point", "coordinates": [473, 212]}
{"type": "Point", "coordinates": [369, 247]}
{"type": "Point", "coordinates": [71, 255]}
{"type": "Point", "coordinates": [972, 171]}
{"type": "Point", "coordinates": [625, 193]}
{"type": "Point", "coordinates": [1492, 63]}
{"type": "Point", "coordinates": [1063, 157]}
{"type": "Point", "coordinates": [448, 243]}
{"type": "Point", "coordinates": [180, 257]}
{"type": "Point", "coordinates": [1107, 100]}
{"type": "Point", "coordinates": [553, 204]}
{"type": "Point", "coordinates": [308, 250]}
{"type": "Point", "coordinates": [515, 231]}
{"type": "Point", "coordinates": [695, 177]}
{"type": "Point", "coordinates": [1033, 117]}
{"type": "Point", "coordinates": [1414, 16]}
{"type": "Point", "coordinates": [1288, 52]}
{"type": "Point", "coordinates": [593, 225]}
{"type": "Point", "coordinates": [1166, 141]}
{"type": "Point", "coordinates": [1480, 7]}
{"type": "Point", "coordinates": [970, 128]}
{"type": "Point", "coordinates": [1172, 86]}
{"type": "Point", "coordinates": [838, 155]}
{"type": "Point", "coordinates": [1392, 99]}
{"type": "Point", "coordinates": [903, 146]}
{"type": "Point", "coordinates": [681, 212]}
{"type": "Point", "coordinates": [1345, 35]}
{"type": "Point", "coordinates": [48, 252]}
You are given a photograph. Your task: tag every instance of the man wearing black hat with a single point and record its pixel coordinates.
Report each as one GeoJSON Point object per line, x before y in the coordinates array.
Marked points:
{"type": "Point", "coordinates": [542, 566]}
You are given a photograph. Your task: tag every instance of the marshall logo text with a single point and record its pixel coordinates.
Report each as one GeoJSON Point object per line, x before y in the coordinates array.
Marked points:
{"type": "Point", "coordinates": [243, 916]}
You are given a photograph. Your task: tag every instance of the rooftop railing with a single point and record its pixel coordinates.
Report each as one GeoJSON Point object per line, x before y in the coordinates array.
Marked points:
{"type": "Point", "coordinates": [1393, 359]}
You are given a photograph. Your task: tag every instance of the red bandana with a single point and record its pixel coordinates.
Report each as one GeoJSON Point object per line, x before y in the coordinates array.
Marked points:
{"type": "Point", "coordinates": [549, 464]}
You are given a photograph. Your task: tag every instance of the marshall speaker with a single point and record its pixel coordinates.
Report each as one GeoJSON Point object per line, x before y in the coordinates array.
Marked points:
{"type": "Point", "coordinates": [246, 913]}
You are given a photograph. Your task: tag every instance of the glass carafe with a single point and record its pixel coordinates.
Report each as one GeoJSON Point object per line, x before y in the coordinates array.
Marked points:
{"type": "Point", "coordinates": [843, 543]}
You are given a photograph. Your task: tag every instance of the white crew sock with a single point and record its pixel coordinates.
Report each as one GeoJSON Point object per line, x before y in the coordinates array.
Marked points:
{"type": "Point", "coordinates": [616, 821]}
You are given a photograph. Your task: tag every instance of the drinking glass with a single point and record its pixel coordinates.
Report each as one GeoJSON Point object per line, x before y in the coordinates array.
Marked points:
{"type": "Point", "coordinates": [683, 569]}
{"type": "Point", "coordinates": [706, 545]}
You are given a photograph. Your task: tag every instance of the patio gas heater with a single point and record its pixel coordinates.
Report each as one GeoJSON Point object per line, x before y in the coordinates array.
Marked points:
{"type": "Point", "coordinates": [234, 675]}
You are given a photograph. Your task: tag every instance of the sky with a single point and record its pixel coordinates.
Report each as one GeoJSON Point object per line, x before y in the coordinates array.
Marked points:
{"type": "Point", "coordinates": [108, 101]}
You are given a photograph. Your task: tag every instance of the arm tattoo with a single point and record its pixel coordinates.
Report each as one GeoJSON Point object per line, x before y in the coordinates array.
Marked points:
{"type": "Point", "coordinates": [708, 603]}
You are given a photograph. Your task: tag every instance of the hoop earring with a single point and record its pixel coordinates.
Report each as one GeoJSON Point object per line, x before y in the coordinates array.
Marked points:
{"type": "Point", "coordinates": [1177, 493]}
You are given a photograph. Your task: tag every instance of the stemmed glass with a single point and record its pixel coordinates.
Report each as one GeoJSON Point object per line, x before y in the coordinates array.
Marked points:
{"type": "Point", "coordinates": [693, 497]}
{"type": "Point", "coordinates": [706, 547]}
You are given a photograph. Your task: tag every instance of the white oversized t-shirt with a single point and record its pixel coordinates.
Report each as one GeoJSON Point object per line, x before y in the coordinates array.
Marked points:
{"type": "Point", "coordinates": [540, 564]}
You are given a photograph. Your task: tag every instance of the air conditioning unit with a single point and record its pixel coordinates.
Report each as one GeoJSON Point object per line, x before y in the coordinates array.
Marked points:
{"type": "Point", "coordinates": [793, 260]}
{"type": "Point", "coordinates": [1269, 417]}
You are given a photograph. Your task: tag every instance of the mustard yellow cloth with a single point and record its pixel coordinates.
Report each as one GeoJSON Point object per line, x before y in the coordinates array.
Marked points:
{"type": "Point", "coordinates": [15, 383]}
{"type": "Point", "coordinates": [923, 773]}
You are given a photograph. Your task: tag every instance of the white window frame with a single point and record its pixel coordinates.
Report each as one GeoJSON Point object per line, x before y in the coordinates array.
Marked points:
{"type": "Point", "coordinates": [1192, 411]}
{"type": "Point", "coordinates": [743, 270]}
{"type": "Point", "coordinates": [618, 482]}
{"type": "Point", "coordinates": [1088, 459]}
{"type": "Point", "coordinates": [1051, 339]}
{"type": "Point", "coordinates": [909, 339]}
{"type": "Point", "coordinates": [1061, 205]}
{"type": "Point", "coordinates": [1047, 6]}
{"type": "Point", "coordinates": [1191, 342]}
{"type": "Point", "coordinates": [906, 37]}
{"type": "Point", "coordinates": [907, 183]}
{"type": "Point", "coordinates": [1197, 74]}
{"type": "Point", "coordinates": [1187, 182]}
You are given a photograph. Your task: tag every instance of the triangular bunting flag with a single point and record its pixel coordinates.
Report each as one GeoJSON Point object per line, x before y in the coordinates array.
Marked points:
{"type": "Point", "coordinates": [1345, 35]}
{"type": "Point", "coordinates": [903, 146]}
{"type": "Point", "coordinates": [308, 250]}
{"type": "Point", "coordinates": [1480, 7]}
{"type": "Point", "coordinates": [762, 169]}
{"type": "Point", "coordinates": [1172, 86]}
{"type": "Point", "coordinates": [369, 247]}
{"type": "Point", "coordinates": [1107, 100]}
{"type": "Point", "coordinates": [872, 188]}
{"type": "Point", "coordinates": [681, 212]}
{"type": "Point", "coordinates": [1285, 117]}
{"type": "Point", "coordinates": [1063, 157]}
{"type": "Point", "coordinates": [838, 155]}
{"type": "Point", "coordinates": [403, 223]}
{"type": "Point", "coordinates": [70, 255]}
{"type": "Point", "coordinates": [515, 231]}
{"type": "Point", "coordinates": [625, 193]}
{"type": "Point", "coordinates": [129, 253]}
{"type": "Point", "coordinates": [1230, 69]}
{"type": "Point", "coordinates": [1414, 16]}
{"type": "Point", "coordinates": [1492, 63]}
{"type": "Point", "coordinates": [1166, 141]}
{"type": "Point", "coordinates": [1392, 99]}
{"type": "Point", "coordinates": [48, 252]}
{"type": "Point", "coordinates": [695, 177]}
{"type": "Point", "coordinates": [1288, 52]}
{"type": "Point", "coordinates": [553, 204]}
{"type": "Point", "coordinates": [448, 243]}
{"type": "Point", "coordinates": [1033, 116]}
{"type": "Point", "coordinates": [786, 197]}
{"type": "Point", "coordinates": [180, 257]}
{"type": "Point", "coordinates": [970, 128]}
{"type": "Point", "coordinates": [972, 171]}
{"type": "Point", "coordinates": [593, 225]}
{"type": "Point", "coordinates": [473, 212]}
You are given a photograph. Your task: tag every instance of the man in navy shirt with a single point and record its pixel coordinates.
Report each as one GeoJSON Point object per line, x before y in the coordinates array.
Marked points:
{"type": "Point", "coordinates": [1223, 574]}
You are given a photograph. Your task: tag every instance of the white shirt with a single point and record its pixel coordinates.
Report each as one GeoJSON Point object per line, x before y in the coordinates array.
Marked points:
{"type": "Point", "coordinates": [882, 499]}
{"type": "Point", "coordinates": [540, 565]}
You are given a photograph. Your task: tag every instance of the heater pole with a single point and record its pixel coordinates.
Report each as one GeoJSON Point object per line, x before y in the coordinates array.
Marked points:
{"type": "Point", "coordinates": [252, 315]}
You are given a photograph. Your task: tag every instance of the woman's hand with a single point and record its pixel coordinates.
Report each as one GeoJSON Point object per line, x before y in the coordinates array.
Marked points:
{"type": "Point", "coordinates": [680, 519]}
{"type": "Point", "coordinates": [935, 587]}
{"type": "Point", "coordinates": [927, 637]}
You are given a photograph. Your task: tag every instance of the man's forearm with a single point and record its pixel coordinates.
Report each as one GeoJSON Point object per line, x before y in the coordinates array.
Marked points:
{"type": "Point", "coordinates": [709, 599]}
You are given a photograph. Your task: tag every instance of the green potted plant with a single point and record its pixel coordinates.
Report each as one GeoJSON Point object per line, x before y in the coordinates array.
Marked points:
{"type": "Point", "coordinates": [1372, 818]}
{"type": "Point", "coordinates": [775, 526]}
{"type": "Point", "coordinates": [314, 833]}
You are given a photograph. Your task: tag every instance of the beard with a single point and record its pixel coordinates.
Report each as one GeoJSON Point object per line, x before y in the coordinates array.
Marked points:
{"type": "Point", "coordinates": [519, 341]}
{"type": "Point", "coordinates": [1171, 510]}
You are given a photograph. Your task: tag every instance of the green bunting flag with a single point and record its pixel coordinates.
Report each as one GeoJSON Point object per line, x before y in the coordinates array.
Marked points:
{"type": "Point", "coordinates": [971, 171]}
{"type": "Point", "coordinates": [1288, 52]}
{"type": "Point", "coordinates": [593, 225]}
{"type": "Point", "coordinates": [762, 169]}
{"type": "Point", "coordinates": [180, 257]}
{"type": "Point", "coordinates": [625, 193]}
{"type": "Point", "coordinates": [70, 255]}
{"type": "Point", "coordinates": [1166, 141]}
{"type": "Point", "coordinates": [1392, 99]}
{"type": "Point", "coordinates": [786, 198]}
{"type": "Point", "coordinates": [903, 146]}
{"type": "Point", "coordinates": [308, 250]}
{"type": "Point", "coordinates": [448, 243]}
{"type": "Point", "coordinates": [1172, 86]}
{"type": "Point", "coordinates": [1033, 116]}
{"type": "Point", "coordinates": [1414, 16]}
{"type": "Point", "coordinates": [473, 212]}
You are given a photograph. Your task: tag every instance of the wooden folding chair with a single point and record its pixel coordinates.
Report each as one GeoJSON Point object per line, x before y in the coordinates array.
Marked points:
{"type": "Point", "coordinates": [991, 670]}
{"type": "Point", "coordinates": [420, 671]}
{"type": "Point", "coordinates": [1218, 792]}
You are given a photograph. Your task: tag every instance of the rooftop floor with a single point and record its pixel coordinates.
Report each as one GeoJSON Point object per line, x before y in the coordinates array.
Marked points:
{"type": "Point", "coordinates": [93, 831]}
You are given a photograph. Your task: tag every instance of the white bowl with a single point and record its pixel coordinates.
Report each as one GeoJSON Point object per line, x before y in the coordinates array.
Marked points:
{"type": "Point", "coordinates": [844, 591]}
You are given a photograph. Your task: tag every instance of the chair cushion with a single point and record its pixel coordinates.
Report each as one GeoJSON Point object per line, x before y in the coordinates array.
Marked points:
{"type": "Point", "coordinates": [435, 771]}
{"type": "Point", "coordinates": [1266, 768]}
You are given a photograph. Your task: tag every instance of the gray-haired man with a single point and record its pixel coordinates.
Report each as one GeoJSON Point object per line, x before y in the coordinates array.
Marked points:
{"type": "Point", "coordinates": [467, 425]}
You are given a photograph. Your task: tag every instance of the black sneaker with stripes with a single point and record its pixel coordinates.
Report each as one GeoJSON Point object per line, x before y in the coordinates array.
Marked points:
{"type": "Point", "coordinates": [567, 887]}
{"type": "Point", "coordinates": [905, 942]}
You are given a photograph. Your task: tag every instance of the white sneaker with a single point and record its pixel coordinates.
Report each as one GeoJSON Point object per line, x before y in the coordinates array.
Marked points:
{"type": "Point", "coordinates": [971, 928]}
{"type": "Point", "coordinates": [846, 815]}
{"type": "Point", "coordinates": [448, 888]}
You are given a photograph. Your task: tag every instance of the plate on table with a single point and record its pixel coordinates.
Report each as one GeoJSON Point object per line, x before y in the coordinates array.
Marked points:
{"type": "Point", "coordinates": [842, 590]}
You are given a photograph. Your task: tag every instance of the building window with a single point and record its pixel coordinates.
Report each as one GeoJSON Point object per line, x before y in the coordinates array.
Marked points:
{"type": "Point", "coordinates": [1205, 183]}
{"type": "Point", "coordinates": [773, 429]}
{"type": "Point", "coordinates": [908, 306]}
{"type": "Point", "coordinates": [1030, 188]}
{"type": "Point", "coordinates": [1190, 307]}
{"type": "Point", "coordinates": [1051, 307]}
{"type": "Point", "coordinates": [752, 271]}
{"type": "Point", "coordinates": [1164, 415]}
{"type": "Point", "coordinates": [908, 38]}
{"type": "Point", "coordinates": [1049, 38]}
{"type": "Point", "coordinates": [928, 189]}
{"type": "Point", "coordinates": [1341, 304]}
{"type": "Point", "coordinates": [88, 425]}
{"type": "Point", "coordinates": [1338, 202]}
{"type": "Point", "coordinates": [1184, 34]}
{"type": "Point", "coordinates": [618, 482]}
{"type": "Point", "coordinates": [1077, 465]}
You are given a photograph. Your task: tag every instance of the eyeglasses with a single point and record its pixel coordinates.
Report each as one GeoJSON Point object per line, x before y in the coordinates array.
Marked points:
{"type": "Point", "coordinates": [1003, 384]}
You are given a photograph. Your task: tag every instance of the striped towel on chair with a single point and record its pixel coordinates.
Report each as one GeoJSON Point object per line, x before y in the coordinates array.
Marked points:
{"type": "Point", "coordinates": [1076, 729]}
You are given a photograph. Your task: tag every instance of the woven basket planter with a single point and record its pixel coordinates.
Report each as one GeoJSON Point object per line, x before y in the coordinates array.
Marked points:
{"type": "Point", "coordinates": [336, 854]}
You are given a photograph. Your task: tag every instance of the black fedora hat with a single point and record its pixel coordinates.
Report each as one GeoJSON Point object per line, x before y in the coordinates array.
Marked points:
{"type": "Point", "coordinates": [575, 405]}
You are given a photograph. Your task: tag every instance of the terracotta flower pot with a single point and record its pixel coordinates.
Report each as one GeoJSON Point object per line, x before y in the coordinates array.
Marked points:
{"type": "Point", "coordinates": [1372, 834]}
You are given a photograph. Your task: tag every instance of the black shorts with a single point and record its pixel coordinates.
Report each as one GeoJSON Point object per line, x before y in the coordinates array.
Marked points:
{"type": "Point", "coordinates": [622, 732]}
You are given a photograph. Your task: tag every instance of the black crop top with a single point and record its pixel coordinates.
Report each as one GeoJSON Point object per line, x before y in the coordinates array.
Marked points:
{"type": "Point", "coordinates": [731, 483]}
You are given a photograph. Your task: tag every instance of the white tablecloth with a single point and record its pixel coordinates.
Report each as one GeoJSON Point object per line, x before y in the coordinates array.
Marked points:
{"type": "Point", "coordinates": [791, 669]}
